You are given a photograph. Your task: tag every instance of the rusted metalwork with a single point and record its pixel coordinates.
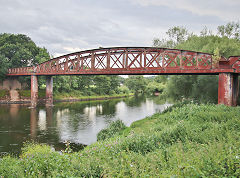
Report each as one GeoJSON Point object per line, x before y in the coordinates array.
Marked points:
{"type": "Point", "coordinates": [132, 60]}
{"type": "Point", "coordinates": [228, 89]}
{"type": "Point", "coordinates": [49, 91]}
{"type": "Point", "coordinates": [138, 60]}
{"type": "Point", "coordinates": [34, 91]}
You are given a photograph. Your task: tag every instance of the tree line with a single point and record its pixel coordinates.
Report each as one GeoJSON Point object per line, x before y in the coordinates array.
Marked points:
{"type": "Point", "coordinates": [226, 42]}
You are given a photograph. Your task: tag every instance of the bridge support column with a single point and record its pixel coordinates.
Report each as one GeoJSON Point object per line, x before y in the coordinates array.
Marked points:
{"type": "Point", "coordinates": [228, 89]}
{"type": "Point", "coordinates": [49, 91]}
{"type": "Point", "coordinates": [34, 91]}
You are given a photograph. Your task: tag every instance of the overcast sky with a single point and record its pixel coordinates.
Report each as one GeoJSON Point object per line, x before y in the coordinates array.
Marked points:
{"type": "Point", "coordinates": [64, 26]}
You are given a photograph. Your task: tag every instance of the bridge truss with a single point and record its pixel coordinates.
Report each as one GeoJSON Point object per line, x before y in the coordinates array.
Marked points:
{"type": "Point", "coordinates": [132, 60]}
{"type": "Point", "coordinates": [137, 60]}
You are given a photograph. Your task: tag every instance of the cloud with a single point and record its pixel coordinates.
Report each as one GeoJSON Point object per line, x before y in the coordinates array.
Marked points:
{"type": "Point", "coordinates": [227, 10]}
{"type": "Point", "coordinates": [63, 26]}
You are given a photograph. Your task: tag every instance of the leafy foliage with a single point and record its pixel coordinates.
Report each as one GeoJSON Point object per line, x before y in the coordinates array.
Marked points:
{"type": "Point", "coordinates": [3, 93]}
{"type": "Point", "coordinates": [19, 51]}
{"type": "Point", "coordinates": [189, 140]}
{"type": "Point", "coordinates": [226, 46]}
{"type": "Point", "coordinates": [136, 83]}
{"type": "Point", "coordinates": [230, 30]}
{"type": "Point", "coordinates": [201, 88]}
{"type": "Point", "coordinates": [113, 129]}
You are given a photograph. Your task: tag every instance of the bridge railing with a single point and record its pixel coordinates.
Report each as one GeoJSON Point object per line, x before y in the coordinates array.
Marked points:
{"type": "Point", "coordinates": [122, 60]}
{"type": "Point", "coordinates": [21, 70]}
{"type": "Point", "coordinates": [126, 59]}
{"type": "Point", "coordinates": [234, 61]}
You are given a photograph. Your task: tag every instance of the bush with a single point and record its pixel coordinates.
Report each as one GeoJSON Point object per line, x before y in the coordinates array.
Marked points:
{"type": "Point", "coordinates": [113, 129]}
{"type": "Point", "coordinates": [41, 160]}
{"type": "Point", "coordinates": [3, 93]}
{"type": "Point", "coordinates": [123, 89]}
{"type": "Point", "coordinates": [11, 167]}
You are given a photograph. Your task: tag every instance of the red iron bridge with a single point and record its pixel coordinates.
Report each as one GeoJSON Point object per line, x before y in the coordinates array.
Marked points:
{"type": "Point", "coordinates": [136, 61]}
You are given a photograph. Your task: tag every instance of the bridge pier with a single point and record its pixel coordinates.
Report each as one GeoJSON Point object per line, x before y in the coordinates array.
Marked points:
{"type": "Point", "coordinates": [228, 89]}
{"type": "Point", "coordinates": [49, 91]}
{"type": "Point", "coordinates": [34, 91]}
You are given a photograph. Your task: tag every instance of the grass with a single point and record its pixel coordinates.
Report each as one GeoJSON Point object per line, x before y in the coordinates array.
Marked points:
{"type": "Point", "coordinates": [113, 129]}
{"type": "Point", "coordinates": [27, 93]}
{"type": "Point", "coordinates": [188, 140]}
{"type": "Point", "coordinates": [63, 96]}
{"type": "Point", "coordinates": [79, 95]}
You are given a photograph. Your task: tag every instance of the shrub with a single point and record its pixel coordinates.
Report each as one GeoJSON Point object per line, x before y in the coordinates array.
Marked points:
{"type": "Point", "coordinates": [3, 93]}
{"type": "Point", "coordinates": [123, 89]}
{"type": "Point", "coordinates": [41, 160]}
{"type": "Point", "coordinates": [11, 167]}
{"type": "Point", "coordinates": [113, 129]}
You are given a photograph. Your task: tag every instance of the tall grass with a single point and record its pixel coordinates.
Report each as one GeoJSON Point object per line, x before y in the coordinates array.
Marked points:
{"type": "Point", "coordinates": [187, 141]}
{"type": "Point", "coordinates": [113, 129]}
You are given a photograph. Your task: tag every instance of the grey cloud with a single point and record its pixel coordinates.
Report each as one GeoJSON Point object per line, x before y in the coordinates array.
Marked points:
{"type": "Point", "coordinates": [61, 25]}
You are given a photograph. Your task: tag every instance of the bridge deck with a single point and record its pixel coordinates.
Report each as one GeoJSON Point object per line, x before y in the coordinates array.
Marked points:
{"type": "Point", "coordinates": [132, 60]}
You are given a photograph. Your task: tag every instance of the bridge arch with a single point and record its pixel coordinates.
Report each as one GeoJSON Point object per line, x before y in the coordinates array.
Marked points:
{"type": "Point", "coordinates": [140, 60]}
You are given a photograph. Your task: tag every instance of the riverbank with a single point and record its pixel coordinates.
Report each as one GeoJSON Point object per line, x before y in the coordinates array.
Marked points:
{"type": "Point", "coordinates": [24, 96]}
{"type": "Point", "coordinates": [90, 98]}
{"type": "Point", "coordinates": [185, 140]}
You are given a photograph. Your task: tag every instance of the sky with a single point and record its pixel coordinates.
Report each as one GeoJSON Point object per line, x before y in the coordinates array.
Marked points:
{"type": "Point", "coordinates": [65, 26]}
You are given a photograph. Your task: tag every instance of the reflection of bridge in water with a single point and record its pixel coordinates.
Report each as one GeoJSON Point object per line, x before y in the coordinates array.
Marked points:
{"type": "Point", "coordinates": [136, 60]}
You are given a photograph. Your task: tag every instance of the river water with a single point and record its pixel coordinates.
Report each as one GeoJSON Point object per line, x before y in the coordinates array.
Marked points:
{"type": "Point", "coordinates": [77, 122]}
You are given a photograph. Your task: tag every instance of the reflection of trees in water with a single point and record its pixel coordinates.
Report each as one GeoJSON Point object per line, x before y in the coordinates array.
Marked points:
{"type": "Point", "coordinates": [109, 107]}
{"type": "Point", "coordinates": [48, 134]}
{"type": "Point", "coordinates": [157, 100]}
{"type": "Point", "coordinates": [65, 120]}
{"type": "Point", "coordinates": [85, 113]}
{"type": "Point", "coordinates": [33, 123]}
{"type": "Point", "coordinates": [15, 126]}
{"type": "Point", "coordinates": [135, 101]}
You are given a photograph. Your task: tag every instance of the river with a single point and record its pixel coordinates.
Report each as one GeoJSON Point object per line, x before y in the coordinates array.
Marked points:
{"type": "Point", "coordinates": [77, 122]}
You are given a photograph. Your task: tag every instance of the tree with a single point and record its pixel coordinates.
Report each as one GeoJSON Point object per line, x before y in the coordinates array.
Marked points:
{"type": "Point", "coordinates": [226, 46]}
{"type": "Point", "coordinates": [136, 83]}
{"type": "Point", "coordinates": [204, 88]}
{"type": "Point", "coordinates": [106, 84]}
{"type": "Point", "coordinates": [176, 35]}
{"type": "Point", "coordinates": [19, 51]}
{"type": "Point", "coordinates": [161, 79]}
{"type": "Point", "coordinates": [180, 87]}
{"type": "Point", "coordinates": [153, 87]}
{"type": "Point", "coordinates": [230, 30]}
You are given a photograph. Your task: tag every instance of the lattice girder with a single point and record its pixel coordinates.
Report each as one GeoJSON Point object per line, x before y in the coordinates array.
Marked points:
{"type": "Point", "coordinates": [132, 60]}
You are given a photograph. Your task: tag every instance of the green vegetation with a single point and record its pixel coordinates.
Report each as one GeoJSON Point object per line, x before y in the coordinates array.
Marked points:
{"type": "Point", "coordinates": [202, 88]}
{"type": "Point", "coordinates": [61, 96]}
{"type": "Point", "coordinates": [3, 93]}
{"type": "Point", "coordinates": [27, 93]}
{"type": "Point", "coordinates": [19, 51]}
{"type": "Point", "coordinates": [88, 85]}
{"type": "Point", "coordinates": [136, 83]}
{"type": "Point", "coordinates": [74, 95]}
{"type": "Point", "coordinates": [113, 129]}
{"type": "Point", "coordinates": [187, 141]}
